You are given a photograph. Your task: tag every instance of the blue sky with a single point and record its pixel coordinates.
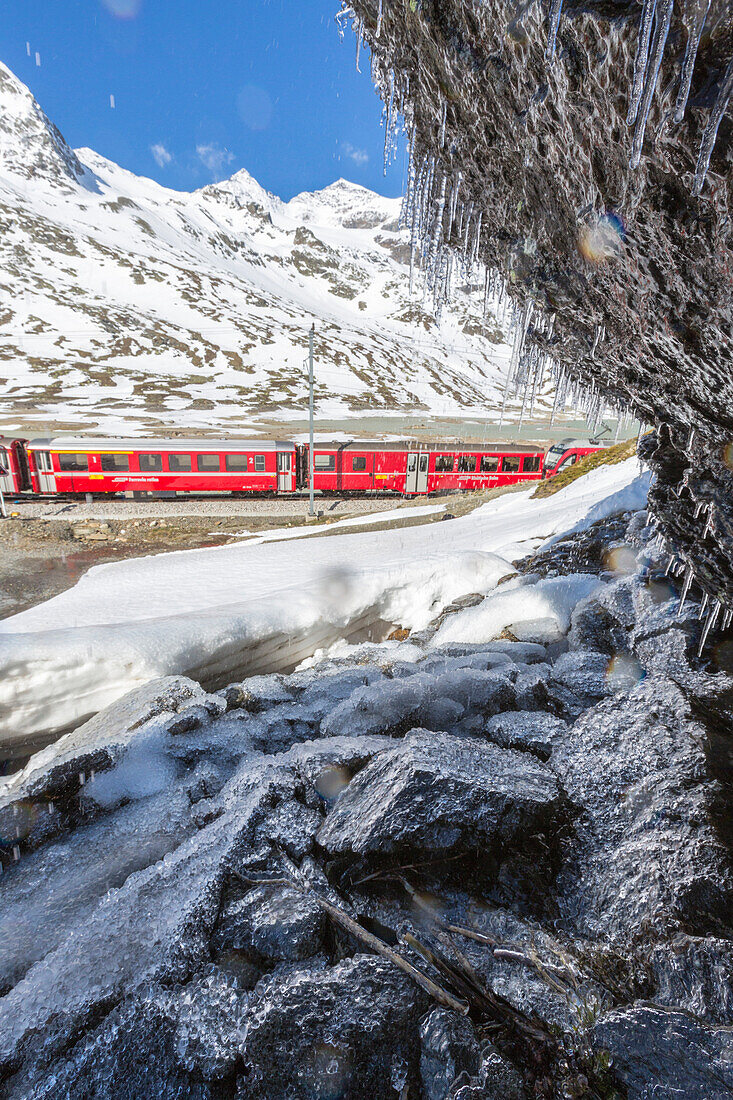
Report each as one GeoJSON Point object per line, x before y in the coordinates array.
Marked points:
{"type": "Point", "coordinates": [204, 87]}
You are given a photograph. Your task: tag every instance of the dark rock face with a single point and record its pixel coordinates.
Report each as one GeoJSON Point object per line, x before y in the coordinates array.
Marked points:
{"type": "Point", "coordinates": [439, 795]}
{"type": "Point", "coordinates": [523, 164]}
{"type": "Point", "coordinates": [667, 1054]}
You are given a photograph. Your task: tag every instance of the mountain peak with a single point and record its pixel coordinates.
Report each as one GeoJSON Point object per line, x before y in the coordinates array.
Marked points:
{"type": "Point", "coordinates": [346, 204]}
{"type": "Point", "coordinates": [243, 189]}
{"type": "Point", "coordinates": [30, 144]}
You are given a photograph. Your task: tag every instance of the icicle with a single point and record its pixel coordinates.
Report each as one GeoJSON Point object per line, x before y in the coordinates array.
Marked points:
{"type": "Point", "coordinates": [554, 406]}
{"type": "Point", "coordinates": [695, 14]}
{"type": "Point", "coordinates": [453, 203]}
{"type": "Point", "coordinates": [709, 624]}
{"type": "Point", "coordinates": [554, 24]}
{"type": "Point", "coordinates": [711, 130]}
{"type": "Point", "coordinates": [379, 20]}
{"type": "Point", "coordinates": [388, 124]}
{"type": "Point", "coordinates": [727, 618]}
{"type": "Point", "coordinates": [685, 588]}
{"type": "Point", "coordinates": [442, 124]}
{"type": "Point", "coordinates": [640, 60]}
{"type": "Point", "coordinates": [703, 605]}
{"type": "Point", "coordinates": [358, 46]}
{"type": "Point", "coordinates": [476, 241]}
{"type": "Point", "coordinates": [690, 439]}
{"type": "Point", "coordinates": [661, 30]}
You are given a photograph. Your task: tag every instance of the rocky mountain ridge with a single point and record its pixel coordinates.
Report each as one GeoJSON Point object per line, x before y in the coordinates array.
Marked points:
{"type": "Point", "coordinates": [126, 303]}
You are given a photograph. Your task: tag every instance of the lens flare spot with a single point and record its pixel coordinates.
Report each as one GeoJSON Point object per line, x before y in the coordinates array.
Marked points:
{"type": "Point", "coordinates": [123, 9]}
{"type": "Point", "coordinates": [620, 560]}
{"type": "Point", "coordinates": [659, 591]}
{"type": "Point", "coordinates": [723, 656]}
{"type": "Point", "coordinates": [427, 905]}
{"type": "Point", "coordinates": [331, 782]}
{"type": "Point", "coordinates": [603, 240]}
{"type": "Point", "coordinates": [255, 107]}
{"type": "Point", "coordinates": [624, 672]}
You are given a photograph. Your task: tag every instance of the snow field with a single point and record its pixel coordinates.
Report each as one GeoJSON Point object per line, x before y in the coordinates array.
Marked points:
{"type": "Point", "coordinates": [127, 623]}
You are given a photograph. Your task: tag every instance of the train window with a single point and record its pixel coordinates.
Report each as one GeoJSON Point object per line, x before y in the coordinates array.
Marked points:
{"type": "Point", "coordinates": [113, 463]}
{"type": "Point", "coordinates": [206, 464]}
{"type": "Point", "coordinates": [150, 464]}
{"type": "Point", "coordinates": [510, 464]}
{"type": "Point", "coordinates": [43, 458]}
{"type": "Point", "coordinates": [73, 464]}
{"type": "Point", "coordinates": [467, 464]}
{"type": "Point", "coordinates": [358, 462]}
{"type": "Point", "coordinates": [489, 464]}
{"type": "Point", "coordinates": [531, 464]}
{"type": "Point", "coordinates": [443, 464]}
{"type": "Point", "coordinates": [179, 464]}
{"type": "Point", "coordinates": [235, 463]}
{"type": "Point", "coordinates": [260, 464]}
{"type": "Point", "coordinates": [324, 462]}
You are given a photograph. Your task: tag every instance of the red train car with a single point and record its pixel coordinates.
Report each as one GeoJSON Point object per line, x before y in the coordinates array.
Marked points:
{"type": "Point", "coordinates": [78, 465]}
{"type": "Point", "coordinates": [418, 470]}
{"type": "Point", "coordinates": [566, 453]}
{"type": "Point", "coordinates": [14, 476]}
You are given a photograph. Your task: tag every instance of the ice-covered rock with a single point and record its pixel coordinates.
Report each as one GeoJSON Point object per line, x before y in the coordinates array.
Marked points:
{"type": "Point", "coordinates": [663, 1054]}
{"type": "Point", "coordinates": [441, 796]}
{"type": "Point", "coordinates": [696, 974]}
{"type": "Point", "coordinates": [350, 1030]}
{"type": "Point", "coordinates": [271, 923]}
{"type": "Point", "coordinates": [646, 859]}
{"type": "Point", "coordinates": [530, 731]}
{"type": "Point", "coordinates": [449, 1047]}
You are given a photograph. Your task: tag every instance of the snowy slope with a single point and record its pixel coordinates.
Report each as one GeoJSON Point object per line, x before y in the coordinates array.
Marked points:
{"type": "Point", "coordinates": [126, 623]}
{"type": "Point", "coordinates": [124, 302]}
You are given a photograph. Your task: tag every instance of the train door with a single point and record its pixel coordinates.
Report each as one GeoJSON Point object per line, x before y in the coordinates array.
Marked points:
{"type": "Point", "coordinates": [417, 473]}
{"type": "Point", "coordinates": [284, 472]}
{"type": "Point", "coordinates": [7, 481]}
{"type": "Point", "coordinates": [44, 469]}
{"type": "Point", "coordinates": [422, 473]}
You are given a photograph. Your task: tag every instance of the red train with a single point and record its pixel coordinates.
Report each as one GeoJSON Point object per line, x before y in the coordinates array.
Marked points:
{"type": "Point", "coordinates": [154, 466]}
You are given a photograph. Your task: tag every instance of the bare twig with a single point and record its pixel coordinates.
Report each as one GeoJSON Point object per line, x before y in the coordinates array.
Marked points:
{"type": "Point", "coordinates": [442, 996]}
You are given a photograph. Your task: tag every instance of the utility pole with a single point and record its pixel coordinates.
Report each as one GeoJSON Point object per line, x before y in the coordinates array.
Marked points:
{"type": "Point", "coordinates": [311, 507]}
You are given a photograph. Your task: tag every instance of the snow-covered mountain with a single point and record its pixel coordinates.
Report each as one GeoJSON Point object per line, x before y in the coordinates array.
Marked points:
{"type": "Point", "coordinates": [122, 301]}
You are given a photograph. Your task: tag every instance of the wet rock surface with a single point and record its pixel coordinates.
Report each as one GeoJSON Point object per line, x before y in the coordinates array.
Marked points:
{"type": "Point", "coordinates": [290, 889]}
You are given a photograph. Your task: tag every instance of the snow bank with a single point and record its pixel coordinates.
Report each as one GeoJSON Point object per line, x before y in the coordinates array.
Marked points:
{"type": "Point", "coordinates": [545, 606]}
{"type": "Point", "coordinates": [124, 624]}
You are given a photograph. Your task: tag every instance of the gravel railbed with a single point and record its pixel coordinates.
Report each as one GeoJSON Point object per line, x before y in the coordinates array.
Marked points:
{"type": "Point", "coordinates": [289, 508]}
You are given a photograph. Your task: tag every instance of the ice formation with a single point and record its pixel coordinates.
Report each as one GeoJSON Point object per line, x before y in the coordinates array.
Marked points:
{"type": "Point", "coordinates": [576, 159]}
